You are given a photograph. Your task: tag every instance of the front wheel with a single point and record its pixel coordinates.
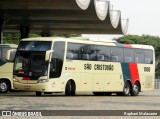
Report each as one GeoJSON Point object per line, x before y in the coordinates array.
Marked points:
{"type": "Point", "coordinates": [4, 86]}
{"type": "Point", "coordinates": [70, 89]}
{"type": "Point", "coordinates": [135, 90]}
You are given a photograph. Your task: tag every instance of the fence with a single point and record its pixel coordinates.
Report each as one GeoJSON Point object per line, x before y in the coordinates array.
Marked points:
{"type": "Point", "coordinates": [157, 84]}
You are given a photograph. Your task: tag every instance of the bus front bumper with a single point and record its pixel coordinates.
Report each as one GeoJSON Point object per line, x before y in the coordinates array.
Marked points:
{"type": "Point", "coordinates": [40, 87]}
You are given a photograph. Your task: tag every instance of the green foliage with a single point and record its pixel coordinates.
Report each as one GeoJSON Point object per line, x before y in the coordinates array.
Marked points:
{"type": "Point", "coordinates": [14, 38]}
{"type": "Point", "coordinates": [31, 35]}
{"type": "Point", "coordinates": [67, 35]}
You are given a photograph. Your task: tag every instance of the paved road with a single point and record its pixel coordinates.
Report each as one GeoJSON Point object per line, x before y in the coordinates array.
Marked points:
{"type": "Point", "coordinates": [28, 101]}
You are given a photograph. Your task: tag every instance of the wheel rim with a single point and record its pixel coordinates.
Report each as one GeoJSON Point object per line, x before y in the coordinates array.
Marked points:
{"type": "Point", "coordinates": [3, 86]}
{"type": "Point", "coordinates": [126, 89]}
{"type": "Point", "coordinates": [135, 88]}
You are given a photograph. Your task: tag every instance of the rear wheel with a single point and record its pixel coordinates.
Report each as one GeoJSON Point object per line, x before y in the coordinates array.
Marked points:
{"type": "Point", "coordinates": [70, 89]}
{"type": "Point", "coordinates": [38, 93]}
{"type": "Point", "coordinates": [126, 90]}
{"type": "Point", "coordinates": [135, 90]}
{"type": "Point", "coordinates": [4, 86]}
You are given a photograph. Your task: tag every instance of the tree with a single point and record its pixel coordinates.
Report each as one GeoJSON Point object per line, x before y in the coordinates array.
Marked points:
{"type": "Point", "coordinates": [14, 38]}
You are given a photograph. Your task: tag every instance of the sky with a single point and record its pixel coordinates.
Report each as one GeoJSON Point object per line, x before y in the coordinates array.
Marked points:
{"type": "Point", "coordinates": [143, 15]}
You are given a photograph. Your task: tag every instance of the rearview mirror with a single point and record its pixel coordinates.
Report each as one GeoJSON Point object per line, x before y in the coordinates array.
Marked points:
{"type": "Point", "coordinates": [48, 55]}
{"type": "Point", "coordinates": [11, 55]}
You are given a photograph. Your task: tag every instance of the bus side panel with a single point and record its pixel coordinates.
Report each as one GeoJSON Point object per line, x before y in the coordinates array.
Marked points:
{"type": "Point", "coordinates": [108, 78]}
{"type": "Point", "coordinates": [6, 71]}
{"type": "Point", "coordinates": [98, 82]}
{"type": "Point", "coordinates": [74, 69]}
{"type": "Point", "coordinates": [147, 77]}
{"type": "Point", "coordinates": [86, 82]}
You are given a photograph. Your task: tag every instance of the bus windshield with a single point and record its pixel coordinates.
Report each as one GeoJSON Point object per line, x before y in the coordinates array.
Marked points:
{"type": "Point", "coordinates": [34, 46]}
{"type": "Point", "coordinates": [30, 58]}
{"type": "Point", "coordinates": [30, 64]}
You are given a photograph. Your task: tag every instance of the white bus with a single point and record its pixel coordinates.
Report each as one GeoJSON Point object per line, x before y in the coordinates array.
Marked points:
{"type": "Point", "coordinates": [6, 68]}
{"type": "Point", "coordinates": [77, 65]}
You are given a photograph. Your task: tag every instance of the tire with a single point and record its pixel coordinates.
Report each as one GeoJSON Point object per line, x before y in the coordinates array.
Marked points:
{"type": "Point", "coordinates": [4, 86]}
{"type": "Point", "coordinates": [70, 89]}
{"type": "Point", "coordinates": [38, 93]}
{"type": "Point", "coordinates": [126, 90]}
{"type": "Point", "coordinates": [135, 90]}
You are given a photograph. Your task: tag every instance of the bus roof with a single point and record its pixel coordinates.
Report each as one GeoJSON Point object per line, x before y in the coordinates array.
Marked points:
{"type": "Point", "coordinates": [62, 38]}
{"type": "Point", "coordinates": [89, 40]}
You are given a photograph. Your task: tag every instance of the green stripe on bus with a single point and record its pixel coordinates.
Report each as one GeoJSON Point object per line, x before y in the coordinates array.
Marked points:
{"type": "Point", "coordinates": [126, 71]}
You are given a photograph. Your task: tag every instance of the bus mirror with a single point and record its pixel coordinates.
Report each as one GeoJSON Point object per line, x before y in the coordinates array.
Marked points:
{"type": "Point", "coordinates": [10, 55]}
{"type": "Point", "coordinates": [48, 54]}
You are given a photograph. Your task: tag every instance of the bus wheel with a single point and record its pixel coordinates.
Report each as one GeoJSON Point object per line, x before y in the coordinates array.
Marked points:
{"type": "Point", "coordinates": [4, 86]}
{"type": "Point", "coordinates": [70, 88]}
{"type": "Point", "coordinates": [126, 90]}
{"type": "Point", "coordinates": [38, 93]}
{"type": "Point", "coordinates": [135, 89]}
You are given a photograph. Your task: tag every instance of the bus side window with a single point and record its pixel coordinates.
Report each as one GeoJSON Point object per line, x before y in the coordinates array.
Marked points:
{"type": "Point", "coordinates": [100, 57]}
{"type": "Point", "coordinates": [4, 52]}
{"type": "Point", "coordinates": [148, 56]}
{"type": "Point", "coordinates": [102, 53]}
{"type": "Point", "coordinates": [69, 55]}
{"type": "Point", "coordinates": [114, 58]}
{"type": "Point", "coordinates": [147, 60]}
{"type": "Point", "coordinates": [136, 59]}
{"type": "Point", "coordinates": [57, 59]}
{"type": "Point", "coordinates": [128, 55]}
{"type": "Point", "coordinates": [117, 54]}
{"type": "Point", "coordinates": [85, 56]}
{"type": "Point", "coordinates": [128, 59]}
{"type": "Point", "coordinates": [139, 55]}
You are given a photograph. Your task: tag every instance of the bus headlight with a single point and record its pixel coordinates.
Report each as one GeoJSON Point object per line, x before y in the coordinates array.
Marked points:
{"type": "Point", "coordinates": [42, 81]}
{"type": "Point", "coordinates": [15, 80]}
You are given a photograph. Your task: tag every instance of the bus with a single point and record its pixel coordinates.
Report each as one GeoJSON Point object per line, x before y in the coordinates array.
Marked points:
{"type": "Point", "coordinates": [80, 65]}
{"type": "Point", "coordinates": [6, 68]}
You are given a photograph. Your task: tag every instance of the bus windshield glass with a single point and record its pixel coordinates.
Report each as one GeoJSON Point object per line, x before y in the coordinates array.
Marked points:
{"type": "Point", "coordinates": [30, 58]}
{"type": "Point", "coordinates": [34, 46]}
{"type": "Point", "coordinates": [30, 64]}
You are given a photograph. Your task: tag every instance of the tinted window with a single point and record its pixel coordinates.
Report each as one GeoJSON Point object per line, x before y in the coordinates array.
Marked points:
{"type": "Point", "coordinates": [34, 45]}
{"type": "Point", "coordinates": [128, 55]}
{"type": "Point", "coordinates": [4, 52]}
{"type": "Point", "coordinates": [86, 51]}
{"type": "Point", "coordinates": [103, 53]}
{"type": "Point", "coordinates": [57, 59]}
{"type": "Point", "coordinates": [148, 56]}
{"type": "Point", "coordinates": [73, 51]}
{"type": "Point", "coordinates": [139, 56]}
{"type": "Point", "coordinates": [116, 54]}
